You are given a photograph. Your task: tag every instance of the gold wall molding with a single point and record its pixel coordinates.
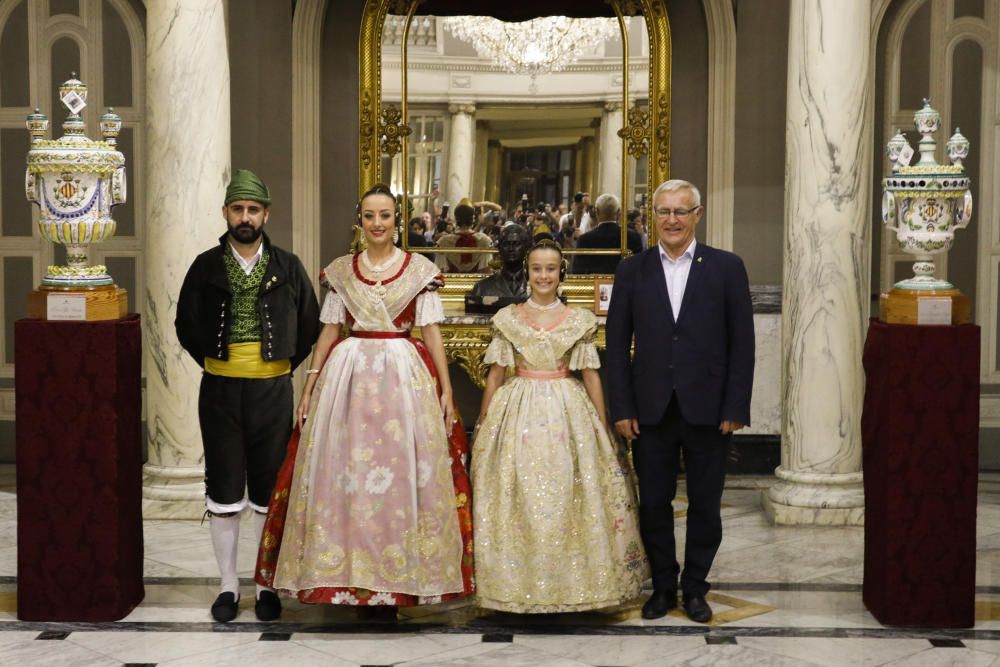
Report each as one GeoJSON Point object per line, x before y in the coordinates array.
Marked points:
{"type": "Point", "coordinates": [660, 50]}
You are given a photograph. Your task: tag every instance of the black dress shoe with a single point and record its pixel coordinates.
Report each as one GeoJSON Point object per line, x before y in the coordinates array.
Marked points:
{"type": "Point", "coordinates": [658, 604]}
{"type": "Point", "coordinates": [225, 607]}
{"type": "Point", "coordinates": [697, 609]}
{"type": "Point", "coordinates": [268, 606]}
{"type": "Point", "coordinates": [377, 613]}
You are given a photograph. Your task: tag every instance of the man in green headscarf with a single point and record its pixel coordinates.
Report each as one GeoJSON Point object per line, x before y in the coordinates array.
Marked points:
{"type": "Point", "coordinates": [247, 185]}
{"type": "Point", "coordinates": [248, 315]}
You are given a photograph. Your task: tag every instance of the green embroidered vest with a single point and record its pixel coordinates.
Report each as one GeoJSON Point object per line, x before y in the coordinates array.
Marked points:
{"type": "Point", "coordinates": [245, 327]}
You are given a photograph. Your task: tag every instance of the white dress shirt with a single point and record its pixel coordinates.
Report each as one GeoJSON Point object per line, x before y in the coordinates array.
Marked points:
{"type": "Point", "coordinates": [248, 264]}
{"type": "Point", "coordinates": [676, 272]}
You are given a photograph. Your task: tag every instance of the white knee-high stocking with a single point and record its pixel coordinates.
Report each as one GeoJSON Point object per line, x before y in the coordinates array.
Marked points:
{"type": "Point", "coordinates": [225, 532]}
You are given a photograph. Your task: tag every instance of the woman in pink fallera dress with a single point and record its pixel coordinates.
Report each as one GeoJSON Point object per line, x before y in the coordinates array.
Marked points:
{"type": "Point", "coordinates": [372, 506]}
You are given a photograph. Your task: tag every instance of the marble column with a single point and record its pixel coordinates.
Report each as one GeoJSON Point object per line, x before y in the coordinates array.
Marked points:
{"type": "Point", "coordinates": [588, 156]}
{"type": "Point", "coordinates": [461, 147]}
{"type": "Point", "coordinates": [187, 158]}
{"type": "Point", "coordinates": [610, 179]}
{"type": "Point", "coordinates": [577, 184]}
{"type": "Point", "coordinates": [494, 171]}
{"type": "Point", "coordinates": [826, 266]}
{"type": "Point", "coordinates": [479, 162]}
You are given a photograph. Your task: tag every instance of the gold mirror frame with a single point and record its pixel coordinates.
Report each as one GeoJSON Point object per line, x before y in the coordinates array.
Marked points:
{"type": "Point", "coordinates": [378, 127]}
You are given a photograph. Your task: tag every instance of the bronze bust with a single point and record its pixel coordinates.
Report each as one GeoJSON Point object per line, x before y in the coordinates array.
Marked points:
{"type": "Point", "coordinates": [508, 285]}
{"type": "Point", "coordinates": [510, 280]}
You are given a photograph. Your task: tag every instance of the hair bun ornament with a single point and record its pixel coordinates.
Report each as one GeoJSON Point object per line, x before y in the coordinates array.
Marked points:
{"type": "Point", "coordinates": [379, 189]}
{"type": "Point", "coordinates": [546, 243]}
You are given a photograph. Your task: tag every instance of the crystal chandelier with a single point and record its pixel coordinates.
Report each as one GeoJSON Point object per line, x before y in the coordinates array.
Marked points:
{"type": "Point", "coordinates": [538, 46]}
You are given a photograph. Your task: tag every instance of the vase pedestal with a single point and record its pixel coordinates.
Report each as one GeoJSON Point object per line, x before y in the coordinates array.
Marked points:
{"type": "Point", "coordinates": [104, 302]}
{"type": "Point", "coordinates": [79, 469]}
{"type": "Point", "coordinates": [901, 306]}
{"type": "Point", "coordinates": [920, 451]}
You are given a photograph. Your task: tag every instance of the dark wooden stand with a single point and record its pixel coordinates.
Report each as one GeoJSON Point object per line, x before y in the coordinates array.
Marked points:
{"type": "Point", "coordinates": [79, 469]}
{"type": "Point", "coordinates": [920, 441]}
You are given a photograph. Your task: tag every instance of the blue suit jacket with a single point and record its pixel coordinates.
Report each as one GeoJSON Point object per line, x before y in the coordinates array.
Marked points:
{"type": "Point", "coordinates": [706, 356]}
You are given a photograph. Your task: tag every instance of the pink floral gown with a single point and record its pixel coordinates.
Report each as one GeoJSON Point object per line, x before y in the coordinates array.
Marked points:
{"type": "Point", "coordinates": [373, 505]}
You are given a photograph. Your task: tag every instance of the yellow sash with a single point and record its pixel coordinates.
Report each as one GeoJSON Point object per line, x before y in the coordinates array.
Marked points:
{"type": "Point", "coordinates": [245, 362]}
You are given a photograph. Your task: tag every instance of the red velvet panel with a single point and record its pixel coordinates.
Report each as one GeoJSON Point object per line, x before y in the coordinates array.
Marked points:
{"type": "Point", "coordinates": [79, 469]}
{"type": "Point", "coordinates": [920, 432]}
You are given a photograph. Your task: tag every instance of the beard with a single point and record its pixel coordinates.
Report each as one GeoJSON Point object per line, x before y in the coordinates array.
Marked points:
{"type": "Point", "coordinates": [245, 233]}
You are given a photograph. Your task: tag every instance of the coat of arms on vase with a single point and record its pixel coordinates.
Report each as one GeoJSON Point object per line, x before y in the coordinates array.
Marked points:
{"type": "Point", "coordinates": [75, 182]}
{"type": "Point", "coordinates": [924, 205]}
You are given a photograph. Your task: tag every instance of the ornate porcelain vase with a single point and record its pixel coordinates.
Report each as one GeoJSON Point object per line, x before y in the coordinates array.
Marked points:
{"type": "Point", "coordinates": [924, 205]}
{"type": "Point", "coordinates": [75, 182]}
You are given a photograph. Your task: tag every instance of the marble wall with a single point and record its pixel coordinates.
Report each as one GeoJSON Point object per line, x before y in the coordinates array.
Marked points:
{"type": "Point", "coordinates": [765, 406]}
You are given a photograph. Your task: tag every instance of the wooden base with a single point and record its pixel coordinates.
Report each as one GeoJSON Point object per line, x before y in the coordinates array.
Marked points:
{"type": "Point", "coordinates": [107, 302]}
{"type": "Point", "coordinates": [899, 306]}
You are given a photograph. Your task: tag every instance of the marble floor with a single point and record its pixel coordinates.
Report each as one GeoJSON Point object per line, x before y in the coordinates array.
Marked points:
{"type": "Point", "coordinates": [782, 596]}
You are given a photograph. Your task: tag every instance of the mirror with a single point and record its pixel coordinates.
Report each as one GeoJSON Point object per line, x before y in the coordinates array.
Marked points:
{"type": "Point", "coordinates": [517, 140]}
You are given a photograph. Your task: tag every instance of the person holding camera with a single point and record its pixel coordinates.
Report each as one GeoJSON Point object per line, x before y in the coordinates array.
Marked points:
{"type": "Point", "coordinates": [578, 220]}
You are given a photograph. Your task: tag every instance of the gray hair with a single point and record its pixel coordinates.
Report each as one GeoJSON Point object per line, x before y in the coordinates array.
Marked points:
{"type": "Point", "coordinates": [608, 207]}
{"type": "Point", "coordinates": [675, 184]}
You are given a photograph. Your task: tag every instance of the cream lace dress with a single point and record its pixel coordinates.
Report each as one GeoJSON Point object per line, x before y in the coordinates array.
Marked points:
{"type": "Point", "coordinates": [554, 507]}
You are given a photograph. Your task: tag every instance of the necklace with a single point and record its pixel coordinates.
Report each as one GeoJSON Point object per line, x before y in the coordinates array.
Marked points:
{"type": "Point", "coordinates": [378, 268]}
{"type": "Point", "coordinates": [531, 303]}
{"type": "Point", "coordinates": [378, 290]}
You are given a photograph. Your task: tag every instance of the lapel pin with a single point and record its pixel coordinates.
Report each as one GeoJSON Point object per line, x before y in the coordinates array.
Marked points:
{"type": "Point", "coordinates": [699, 259]}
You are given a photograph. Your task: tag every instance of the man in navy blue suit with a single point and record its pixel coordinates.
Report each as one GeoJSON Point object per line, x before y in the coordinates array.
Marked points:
{"type": "Point", "coordinates": [686, 306]}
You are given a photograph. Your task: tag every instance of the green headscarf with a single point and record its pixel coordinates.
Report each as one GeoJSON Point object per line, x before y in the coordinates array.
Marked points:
{"type": "Point", "coordinates": [246, 185]}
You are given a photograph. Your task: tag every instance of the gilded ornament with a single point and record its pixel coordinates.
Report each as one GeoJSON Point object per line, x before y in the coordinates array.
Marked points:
{"type": "Point", "coordinates": [471, 361]}
{"type": "Point", "coordinates": [367, 130]}
{"type": "Point", "coordinates": [393, 130]}
{"type": "Point", "coordinates": [663, 135]}
{"type": "Point", "coordinates": [636, 132]}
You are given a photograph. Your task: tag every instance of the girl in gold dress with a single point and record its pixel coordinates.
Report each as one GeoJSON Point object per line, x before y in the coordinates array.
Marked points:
{"type": "Point", "coordinates": [554, 509]}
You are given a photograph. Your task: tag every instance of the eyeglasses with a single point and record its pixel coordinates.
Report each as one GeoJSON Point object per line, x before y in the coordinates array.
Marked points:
{"type": "Point", "coordinates": [681, 213]}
